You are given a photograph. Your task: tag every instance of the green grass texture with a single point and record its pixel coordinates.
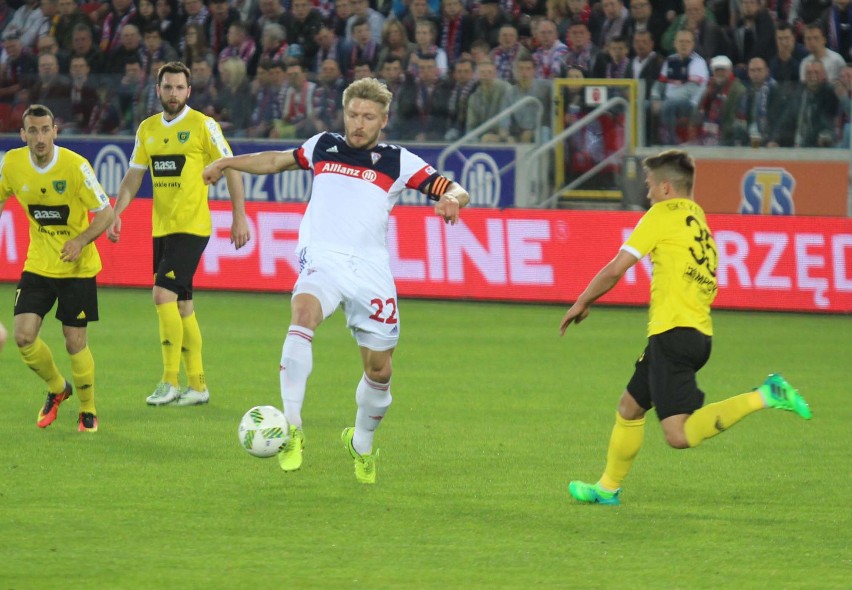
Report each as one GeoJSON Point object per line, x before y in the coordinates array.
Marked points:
{"type": "Point", "coordinates": [493, 415]}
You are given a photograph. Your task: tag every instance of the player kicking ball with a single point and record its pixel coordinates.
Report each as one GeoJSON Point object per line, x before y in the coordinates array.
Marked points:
{"type": "Point", "coordinates": [675, 233]}
{"type": "Point", "coordinates": [344, 258]}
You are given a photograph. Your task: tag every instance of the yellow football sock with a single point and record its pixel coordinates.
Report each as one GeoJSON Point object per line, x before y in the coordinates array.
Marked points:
{"type": "Point", "coordinates": [624, 445]}
{"type": "Point", "coordinates": [38, 357]}
{"type": "Point", "coordinates": [171, 340]}
{"type": "Point", "coordinates": [83, 373]}
{"type": "Point", "coordinates": [715, 418]}
{"type": "Point", "coordinates": [191, 352]}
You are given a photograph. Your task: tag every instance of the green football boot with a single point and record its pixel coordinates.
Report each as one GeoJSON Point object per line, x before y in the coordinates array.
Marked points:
{"type": "Point", "coordinates": [593, 493]}
{"type": "Point", "coordinates": [290, 455]}
{"type": "Point", "coordinates": [365, 465]}
{"type": "Point", "coordinates": [779, 394]}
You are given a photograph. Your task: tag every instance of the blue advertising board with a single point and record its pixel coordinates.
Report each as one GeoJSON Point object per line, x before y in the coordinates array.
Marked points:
{"type": "Point", "coordinates": [478, 170]}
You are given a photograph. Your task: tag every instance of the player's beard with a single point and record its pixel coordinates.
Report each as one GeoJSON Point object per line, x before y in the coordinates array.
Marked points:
{"type": "Point", "coordinates": [170, 110]}
{"type": "Point", "coordinates": [364, 142]}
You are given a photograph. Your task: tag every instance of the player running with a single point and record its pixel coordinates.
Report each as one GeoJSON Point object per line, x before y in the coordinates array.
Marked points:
{"type": "Point", "coordinates": [344, 257]}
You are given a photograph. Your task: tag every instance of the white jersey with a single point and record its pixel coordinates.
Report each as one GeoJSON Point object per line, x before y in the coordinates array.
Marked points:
{"type": "Point", "coordinates": [353, 193]}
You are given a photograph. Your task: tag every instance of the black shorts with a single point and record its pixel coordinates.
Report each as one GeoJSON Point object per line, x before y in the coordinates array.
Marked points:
{"type": "Point", "coordinates": [665, 373]}
{"type": "Point", "coordinates": [78, 298]}
{"type": "Point", "coordinates": [176, 258]}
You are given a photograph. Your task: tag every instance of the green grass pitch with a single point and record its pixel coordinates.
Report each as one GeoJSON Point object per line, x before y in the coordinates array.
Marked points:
{"type": "Point", "coordinates": [493, 414]}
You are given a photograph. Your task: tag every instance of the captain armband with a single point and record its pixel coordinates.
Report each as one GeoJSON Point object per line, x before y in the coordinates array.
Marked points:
{"type": "Point", "coordinates": [438, 187]}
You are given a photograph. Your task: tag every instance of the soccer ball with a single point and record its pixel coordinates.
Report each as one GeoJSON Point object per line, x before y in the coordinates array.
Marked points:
{"type": "Point", "coordinates": [263, 430]}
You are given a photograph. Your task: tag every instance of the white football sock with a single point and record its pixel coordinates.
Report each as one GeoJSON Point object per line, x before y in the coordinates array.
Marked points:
{"type": "Point", "coordinates": [373, 401]}
{"type": "Point", "coordinates": [296, 365]}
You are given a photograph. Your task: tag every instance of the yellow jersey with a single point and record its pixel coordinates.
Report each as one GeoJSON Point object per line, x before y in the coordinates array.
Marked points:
{"type": "Point", "coordinates": [57, 200]}
{"type": "Point", "coordinates": [176, 153]}
{"type": "Point", "coordinates": [684, 257]}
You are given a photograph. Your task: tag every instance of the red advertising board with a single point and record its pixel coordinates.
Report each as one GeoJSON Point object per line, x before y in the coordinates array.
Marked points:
{"type": "Point", "coordinates": [766, 262]}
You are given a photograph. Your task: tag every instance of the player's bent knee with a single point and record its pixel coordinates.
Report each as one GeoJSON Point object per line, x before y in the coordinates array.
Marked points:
{"type": "Point", "coordinates": [677, 440]}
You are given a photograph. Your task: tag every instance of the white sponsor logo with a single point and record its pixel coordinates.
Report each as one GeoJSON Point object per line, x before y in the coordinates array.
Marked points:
{"type": "Point", "coordinates": [338, 168]}
{"type": "Point", "coordinates": [110, 165]}
{"type": "Point", "coordinates": [369, 176]}
{"type": "Point", "coordinates": [161, 165]}
{"type": "Point", "coordinates": [481, 177]}
{"type": "Point", "coordinates": [332, 149]}
{"type": "Point", "coordinates": [38, 214]}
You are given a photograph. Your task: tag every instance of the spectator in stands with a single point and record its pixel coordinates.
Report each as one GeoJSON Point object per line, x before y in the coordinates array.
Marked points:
{"type": "Point", "coordinates": [26, 21]}
{"type": "Point", "coordinates": [340, 17]}
{"type": "Point", "coordinates": [487, 101]}
{"type": "Point", "coordinates": [194, 12]}
{"type": "Point", "coordinates": [50, 18]}
{"type": "Point", "coordinates": [837, 20]}
{"type": "Point", "coordinates": [754, 35]}
{"type": "Point", "coordinates": [299, 106]}
{"type": "Point", "coordinates": [330, 86]}
{"type": "Point", "coordinates": [487, 24]}
{"type": "Point", "coordinates": [235, 102]}
{"type": "Point", "coordinates": [195, 45]}
{"type": "Point", "coordinates": [561, 14]}
{"type": "Point", "coordinates": [613, 63]}
{"type": "Point", "coordinates": [418, 9]}
{"type": "Point", "coordinates": [423, 111]}
{"type": "Point", "coordinates": [395, 43]}
{"type": "Point", "coordinates": [646, 63]}
{"type": "Point", "coordinates": [52, 89]}
{"type": "Point", "coordinates": [47, 44]}
{"type": "Point", "coordinates": [398, 82]}
{"type": "Point", "coordinates": [508, 51]}
{"type": "Point", "coordinates": [302, 26]}
{"type": "Point", "coordinates": [249, 10]}
{"type": "Point", "coordinates": [106, 116]}
{"type": "Point", "coordinates": [120, 14]}
{"type": "Point", "coordinates": [805, 12]}
{"type": "Point", "coordinates": [614, 23]}
{"type": "Point", "coordinates": [817, 51]}
{"type": "Point", "coordinates": [644, 19]}
{"type": "Point", "coordinates": [6, 14]}
{"type": "Point", "coordinates": [155, 48]}
{"type": "Point", "coordinates": [267, 107]}
{"type": "Point", "coordinates": [784, 67]}
{"type": "Point", "coordinates": [329, 46]}
{"type": "Point", "coordinates": [273, 45]}
{"type": "Point", "coordinates": [83, 96]}
{"type": "Point", "coordinates": [240, 44]}
{"type": "Point", "coordinates": [456, 32]}
{"type": "Point", "coordinates": [271, 12]}
{"type": "Point", "coordinates": [582, 52]}
{"type": "Point", "coordinates": [425, 36]}
{"type": "Point", "coordinates": [816, 107]}
{"type": "Point", "coordinates": [362, 49]}
{"type": "Point", "coordinates": [146, 14]}
{"type": "Point", "coordinates": [149, 102]}
{"type": "Point", "coordinates": [843, 89]}
{"type": "Point", "coordinates": [523, 124]}
{"type": "Point", "coordinates": [130, 48]}
{"type": "Point", "coordinates": [717, 111]}
{"type": "Point", "coordinates": [549, 57]}
{"type": "Point", "coordinates": [219, 20]}
{"type": "Point", "coordinates": [205, 90]}
{"type": "Point", "coordinates": [83, 45]}
{"type": "Point", "coordinates": [464, 83]}
{"type": "Point", "coordinates": [361, 10]}
{"type": "Point", "coordinates": [70, 16]}
{"type": "Point", "coordinates": [130, 95]}
{"type": "Point", "coordinates": [170, 22]}
{"type": "Point", "coordinates": [676, 93]}
{"type": "Point", "coordinates": [710, 38]}
{"type": "Point", "coordinates": [362, 69]}
{"type": "Point", "coordinates": [763, 117]}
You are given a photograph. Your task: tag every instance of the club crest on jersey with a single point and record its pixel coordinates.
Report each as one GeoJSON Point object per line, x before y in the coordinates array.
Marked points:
{"type": "Point", "coordinates": [376, 157]}
{"type": "Point", "coordinates": [183, 136]}
{"type": "Point", "coordinates": [59, 186]}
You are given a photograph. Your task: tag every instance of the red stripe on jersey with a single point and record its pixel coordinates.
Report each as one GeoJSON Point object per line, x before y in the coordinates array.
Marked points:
{"type": "Point", "coordinates": [418, 178]}
{"type": "Point", "coordinates": [383, 181]}
{"type": "Point", "coordinates": [301, 160]}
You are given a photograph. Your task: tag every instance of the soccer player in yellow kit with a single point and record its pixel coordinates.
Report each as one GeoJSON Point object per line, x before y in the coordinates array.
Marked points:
{"type": "Point", "coordinates": [176, 145]}
{"type": "Point", "coordinates": [57, 190]}
{"type": "Point", "coordinates": [674, 232]}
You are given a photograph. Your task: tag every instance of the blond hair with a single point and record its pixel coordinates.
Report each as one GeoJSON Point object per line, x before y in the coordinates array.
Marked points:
{"type": "Point", "coordinates": [369, 89]}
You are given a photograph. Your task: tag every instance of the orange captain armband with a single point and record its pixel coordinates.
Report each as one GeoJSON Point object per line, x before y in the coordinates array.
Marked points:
{"type": "Point", "coordinates": [438, 187]}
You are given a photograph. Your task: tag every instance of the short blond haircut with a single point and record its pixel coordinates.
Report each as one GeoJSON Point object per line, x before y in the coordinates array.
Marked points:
{"type": "Point", "coordinates": [369, 89]}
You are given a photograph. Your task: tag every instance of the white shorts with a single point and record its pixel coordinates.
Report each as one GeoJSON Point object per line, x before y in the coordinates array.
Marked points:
{"type": "Point", "coordinates": [366, 291]}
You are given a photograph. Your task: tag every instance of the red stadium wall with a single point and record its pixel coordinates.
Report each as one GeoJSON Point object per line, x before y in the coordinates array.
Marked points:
{"type": "Point", "coordinates": [766, 262]}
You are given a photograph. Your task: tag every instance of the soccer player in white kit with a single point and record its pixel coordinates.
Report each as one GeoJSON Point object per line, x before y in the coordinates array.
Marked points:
{"type": "Point", "coordinates": [344, 258]}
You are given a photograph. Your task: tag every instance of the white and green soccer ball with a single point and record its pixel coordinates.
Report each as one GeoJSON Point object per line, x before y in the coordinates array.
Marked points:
{"type": "Point", "coordinates": [263, 430]}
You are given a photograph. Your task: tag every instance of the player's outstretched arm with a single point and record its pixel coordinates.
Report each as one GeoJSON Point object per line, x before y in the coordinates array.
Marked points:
{"type": "Point", "coordinates": [126, 192]}
{"type": "Point", "coordinates": [100, 222]}
{"type": "Point", "coordinates": [606, 279]}
{"type": "Point", "coordinates": [449, 203]}
{"type": "Point", "coordinates": [256, 163]}
{"type": "Point", "coordinates": [240, 233]}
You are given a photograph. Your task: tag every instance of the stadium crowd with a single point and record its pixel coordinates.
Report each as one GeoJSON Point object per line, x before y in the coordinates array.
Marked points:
{"type": "Point", "coordinates": [720, 72]}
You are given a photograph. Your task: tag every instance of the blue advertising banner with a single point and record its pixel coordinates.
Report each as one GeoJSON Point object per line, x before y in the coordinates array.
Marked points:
{"type": "Point", "coordinates": [478, 170]}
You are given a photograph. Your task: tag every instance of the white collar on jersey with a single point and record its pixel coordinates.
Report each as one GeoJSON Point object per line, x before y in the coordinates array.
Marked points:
{"type": "Point", "coordinates": [176, 119]}
{"type": "Point", "coordinates": [50, 165]}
